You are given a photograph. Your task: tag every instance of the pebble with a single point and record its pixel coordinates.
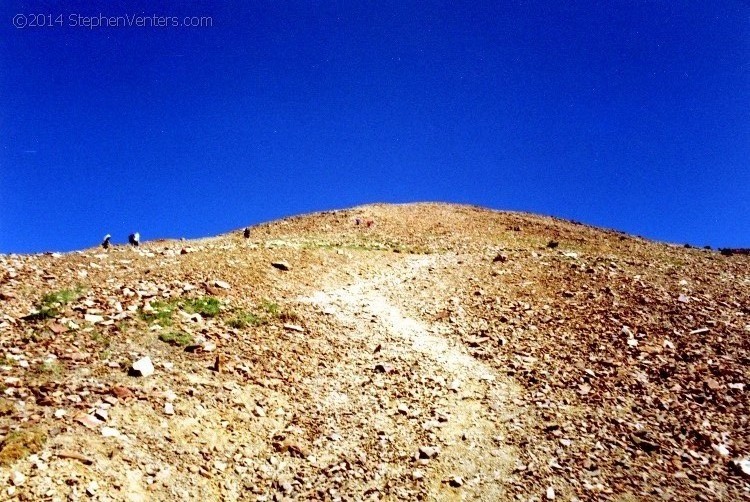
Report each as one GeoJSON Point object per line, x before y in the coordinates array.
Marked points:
{"type": "Point", "coordinates": [281, 265]}
{"type": "Point", "coordinates": [169, 409]}
{"type": "Point", "coordinates": [222, 284]}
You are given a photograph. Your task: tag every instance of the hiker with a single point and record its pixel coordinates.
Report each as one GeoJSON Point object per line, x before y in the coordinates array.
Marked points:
{"type": "Point", "coordinates": [134, 239]}
{"type": "Point", "coordinates": [105, 242]}
{"type": "Point", "coordinates": [246, 233]}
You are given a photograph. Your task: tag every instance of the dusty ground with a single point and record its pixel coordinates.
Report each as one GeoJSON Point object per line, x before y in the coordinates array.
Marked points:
{"type": "Point", "coordinates": [440, 353]}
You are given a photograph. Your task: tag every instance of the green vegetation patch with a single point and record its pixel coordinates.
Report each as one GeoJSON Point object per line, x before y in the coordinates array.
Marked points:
{"type": "Point", "coordinates": [49, 368]}
{"type": "Point", "coordinates": [178, 338]}
{"type": "Point", "coordinates": [51, 303]}
{"type": "Point", "coordinates": [20, 444]}
{"type": "Point", "coordinates": [244, 319]}
{"type": "Point", "coordinates": [160, 313]}
{"type": "Point", "coordinates": [207, 306]}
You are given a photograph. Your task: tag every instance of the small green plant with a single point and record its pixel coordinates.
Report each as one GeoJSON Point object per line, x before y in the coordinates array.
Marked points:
{"type": "Point", "coordinates": [179, 338]}
{"type": "Point", "coordinates": [207, 306]}
{"type": "Point", "coordinates": [20, 444]}
{"type": "Point", "coordinates": [101, 339]}
{"type": "Point", "coordinates": [50, 368]}
{"type": "Point", "coordinates": [51, 304]}
{"type": "Point", "coordinates": [245, 319]}
{"type": "Point", "coordinates": [290, 316]}
{"type": "Point", "coordinates": [6, 407]}
{"type": "Point", "coordinates": [160, 313]}
{"type": "Point", "coordinates": [270, 308]}
{"type": "Point", "coordinates": [7, 361]}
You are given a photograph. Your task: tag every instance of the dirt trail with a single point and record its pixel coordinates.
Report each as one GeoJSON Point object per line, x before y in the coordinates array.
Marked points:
{"type": "Point", "coordinates": [468, 399]}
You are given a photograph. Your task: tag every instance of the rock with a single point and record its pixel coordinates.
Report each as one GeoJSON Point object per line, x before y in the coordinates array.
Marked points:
{"type": "Point", "coordinates": [17, 478]}
{"type": "Point", "coordinates": [699, 331]}
{"type": "Point", "coordinates": [294, 327]}
{"type": "Point", "coordinates": [89, 421]}
{"type": "Point", "coordinates": [222, 284]}
{"type": "Point", "coordinates": [121, 392]}
{"type": "Point", "coordinates": [721, 449]}
{"type": "Point", "coordinates": [168, 408]}
{"type": "Point", "coordinates": [92, 488]}
{"type": "Point", "coordinates": [427, 452]}
{"type": "Point", "coordinates": [683, 299]}
{"type": "Point", "coordinates": [143, 367]}
{"type": "Point", "coordinates": [417, 474]}
{"type": "Point", "coordinates": [552, 244]}
{"type": "Point", "coordinates": [456, 481]}
{"type": "Point", "coordinates": [219, 363]}
{"type": "Point", "coordinates": [101, 414]}
{"type": "Point", "coordinates": [93, 318]}
{"type": "Point", "coordinates": [57, 328]}
{"type": "Point", "coordinates": [281, 265]}
{"type": "Point", "coordinates": [712, 384]}
{"type": "Point", "coordinates": [110, 432]}
{"type": "Point", "coordinates": [384, 368]}
{"type": "Point", "coordinates": [500, 258]}
{"type": "Point", "coordinates": [742, 465]}
{"type": "Point", "coordinates": [75, 456]}
{"type": "Point", "coordinates": [550, 493]}
{"type": "Point", "coordinates": [294, 448]}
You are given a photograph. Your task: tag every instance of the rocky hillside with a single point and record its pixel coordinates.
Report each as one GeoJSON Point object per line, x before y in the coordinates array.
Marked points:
{"type": "Point", "coordinates": [418, 352]}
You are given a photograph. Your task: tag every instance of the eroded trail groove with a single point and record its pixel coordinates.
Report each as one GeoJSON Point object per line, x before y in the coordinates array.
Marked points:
{"type": "Point", "coordinates": [445, 407]}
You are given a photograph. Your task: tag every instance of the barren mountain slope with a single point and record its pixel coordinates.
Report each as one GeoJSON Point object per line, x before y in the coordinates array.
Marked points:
{"type": "Point", "coordinates": [423, 351]}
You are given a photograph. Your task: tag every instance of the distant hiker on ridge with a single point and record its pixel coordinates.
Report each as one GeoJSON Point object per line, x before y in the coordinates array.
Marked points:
{"type": "Point", "coordinates": [134, 239]}
{"type": "Point", "coordinates": [105, 242]}
{"type": "Point", "coordinates": [246, 233]}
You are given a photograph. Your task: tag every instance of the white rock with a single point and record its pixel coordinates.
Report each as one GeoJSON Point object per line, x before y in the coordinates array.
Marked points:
{"type": "Point", "coordinates": [110, 432]}
{"type": "Point", "coordinates": [93, 318]}
{"type": "Point", "coordinates": [721, 449]}
{"type": "Point", "coordinates": [745, 465]}
{"type": "Point", "coordinates": [168, 408]}
{"type": "Point", "coordinates": [92, 488]}
{"type": "Point", "coordinates": [550, 493]}
{"type": "Point", "coordinates": [222, 284]}
{"type": "Point", "coordinates": [17, 478]}
{"type": "Point", "coordinates": [143, 367]}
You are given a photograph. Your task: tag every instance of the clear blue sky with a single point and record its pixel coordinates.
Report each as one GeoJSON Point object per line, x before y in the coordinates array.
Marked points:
{"type": "Point", "coordinates": [633, 115]}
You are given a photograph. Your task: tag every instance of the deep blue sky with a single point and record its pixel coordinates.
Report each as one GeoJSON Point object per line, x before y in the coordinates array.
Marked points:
{"type": "Point", "coordinates": [626, 114]}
